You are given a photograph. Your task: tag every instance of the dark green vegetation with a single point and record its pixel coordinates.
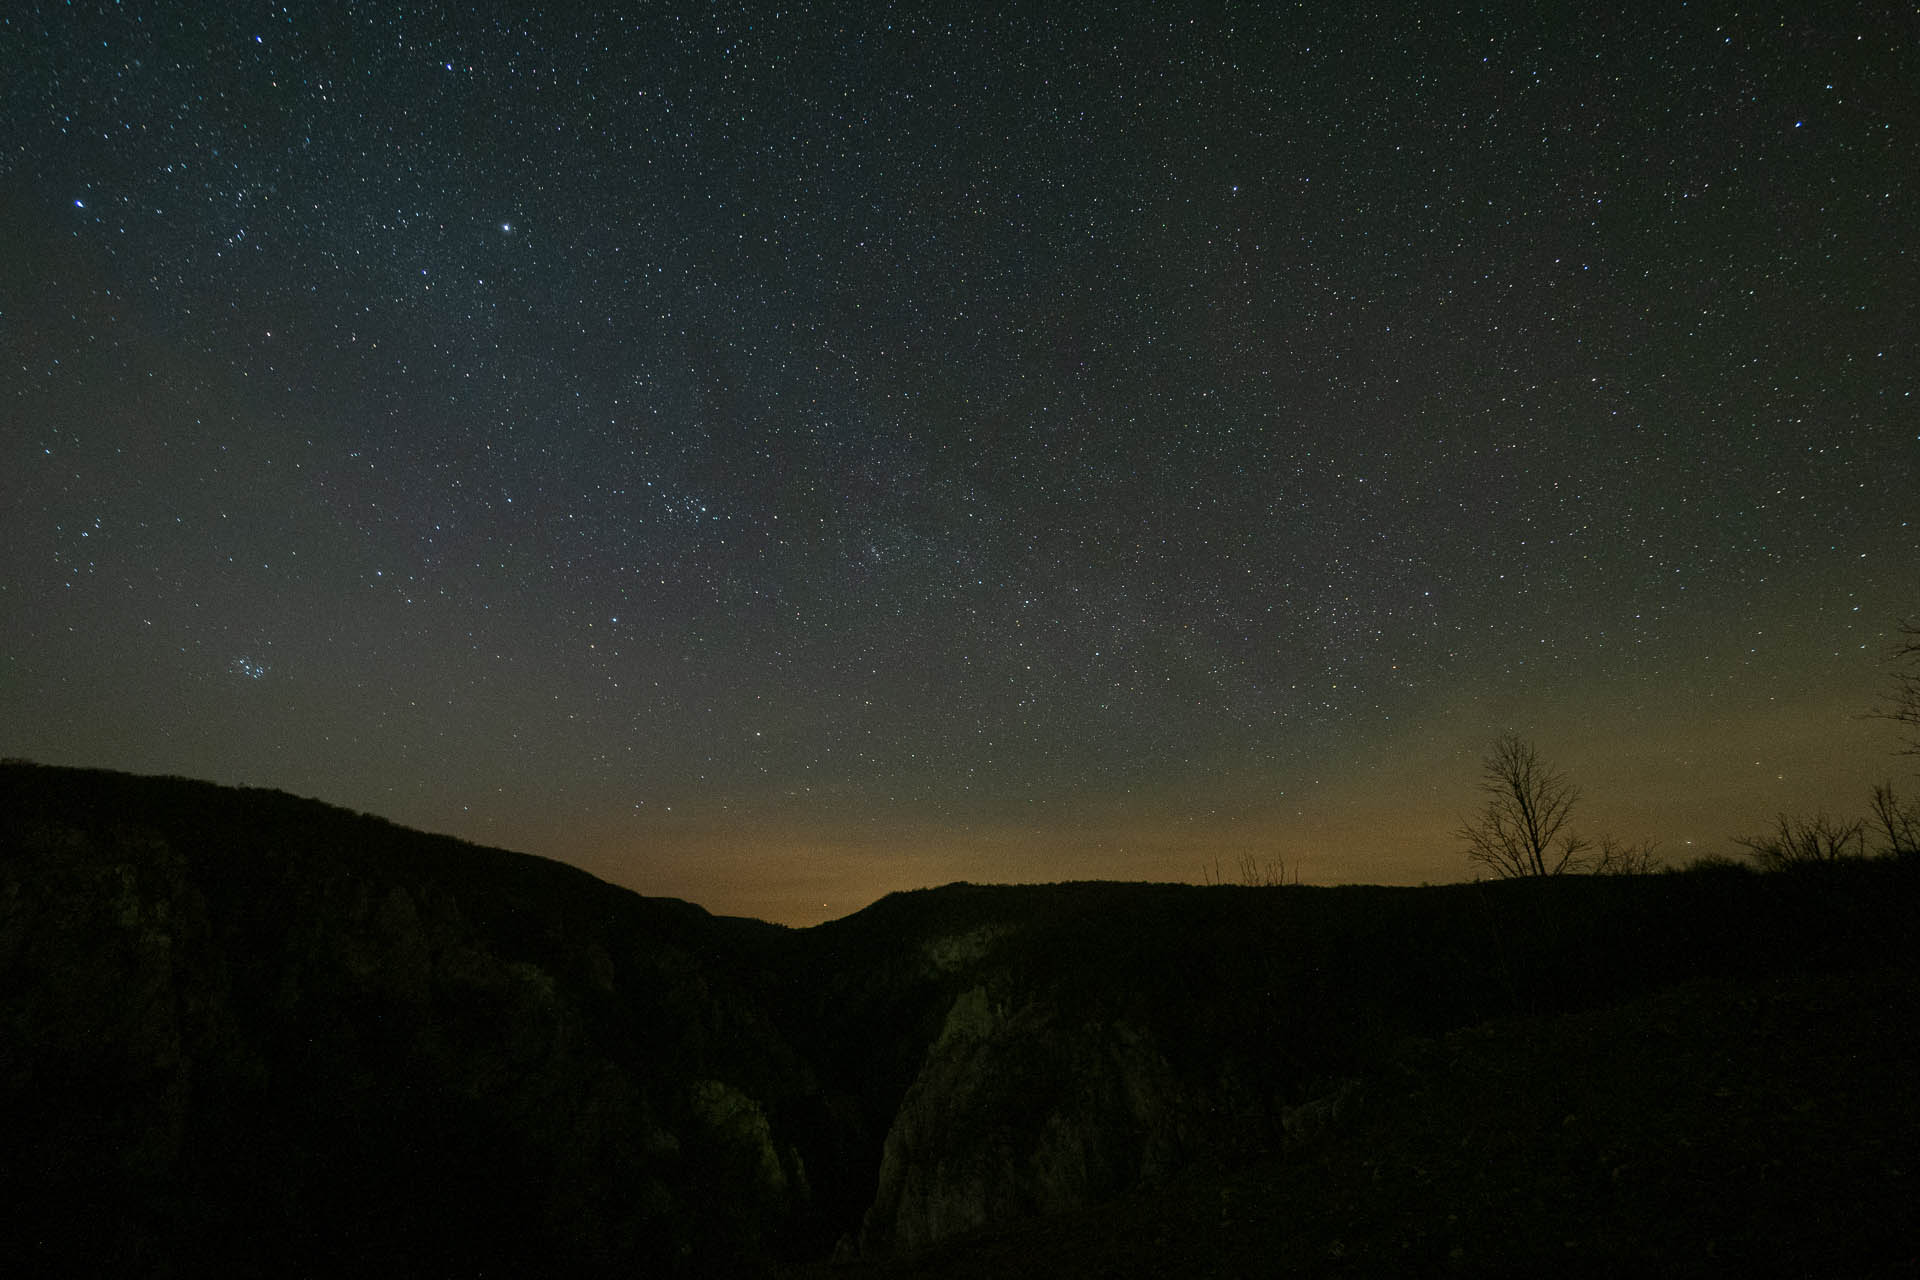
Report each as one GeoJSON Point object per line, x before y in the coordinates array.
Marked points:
{"type": "Point", "coordinates": [240, 1030]}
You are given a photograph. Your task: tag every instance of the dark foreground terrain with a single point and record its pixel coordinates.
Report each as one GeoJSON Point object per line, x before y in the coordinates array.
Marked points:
{"type": "Point", "coordinates": [243, 1031]}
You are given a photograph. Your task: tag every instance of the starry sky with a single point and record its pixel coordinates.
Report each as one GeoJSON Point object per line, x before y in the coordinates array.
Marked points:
{"type": "Point", "coordinates": [774, 456]}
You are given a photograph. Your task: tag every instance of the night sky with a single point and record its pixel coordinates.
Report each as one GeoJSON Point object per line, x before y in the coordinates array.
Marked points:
{"type": "Point", "coordinates": [774, 457]}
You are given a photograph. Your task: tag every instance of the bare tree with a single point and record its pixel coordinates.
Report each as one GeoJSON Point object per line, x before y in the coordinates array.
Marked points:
{"type": "Point", "coordinates": [1798, 841]}
{"type": "Point", "coordinates": [1521, 831]}
{"type": "Point", "coordinates": [1899, 822]}
{"type": "Point", "coordinates": [1626, 858]}
{"type": "Point", "coordinates": [1255, 872]}
{"type": "Point", "coordinates": [1903, 705]}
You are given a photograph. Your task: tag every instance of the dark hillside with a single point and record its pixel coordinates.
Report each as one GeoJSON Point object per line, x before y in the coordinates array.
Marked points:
{"type": "Point", "coordinates": [1092, 1038]}
{"type": "Point", "coordinates": [239, 1026]}
{"type": "Point", "coordinates": [240, 1030]}
{"type": "Point", "coordinates": [1711, 1128]}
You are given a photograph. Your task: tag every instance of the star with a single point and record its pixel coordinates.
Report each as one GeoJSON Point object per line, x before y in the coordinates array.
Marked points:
{"type": "Point", "coordinates": [928, 482]}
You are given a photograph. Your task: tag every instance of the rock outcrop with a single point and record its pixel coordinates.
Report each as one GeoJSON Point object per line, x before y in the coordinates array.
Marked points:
{"type": "Point", "coordinates": [244, 1032]}
{"type": "Point", "coordinates": [1023, 1111]}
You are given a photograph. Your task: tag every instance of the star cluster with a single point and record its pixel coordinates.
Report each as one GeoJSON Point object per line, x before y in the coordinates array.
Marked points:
{"type": "Point", "coordinates": [774, 457]}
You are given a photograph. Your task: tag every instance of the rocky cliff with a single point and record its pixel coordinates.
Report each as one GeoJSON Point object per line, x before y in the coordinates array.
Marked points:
{"type": "Point", "coordinates": [244, 1031]}
{"type": "Point", "coordinates": [240, 1027]}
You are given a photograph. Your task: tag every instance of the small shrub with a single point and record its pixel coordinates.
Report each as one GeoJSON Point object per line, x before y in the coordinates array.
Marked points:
{"type": "Point", "coordinates": [1626, 858]}
{"type": "Point", "coordinates": [1797, 842]}
{"type": "Point", "coordinates": [1714, 864]}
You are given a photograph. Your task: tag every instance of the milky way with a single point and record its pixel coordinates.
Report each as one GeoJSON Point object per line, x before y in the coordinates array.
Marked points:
{"type": "Point", "coordinates": [774, 458]}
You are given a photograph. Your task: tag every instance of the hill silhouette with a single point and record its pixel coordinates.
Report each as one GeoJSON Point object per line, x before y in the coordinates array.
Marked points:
{"type": "Point", "coordinates": [241, 1030]}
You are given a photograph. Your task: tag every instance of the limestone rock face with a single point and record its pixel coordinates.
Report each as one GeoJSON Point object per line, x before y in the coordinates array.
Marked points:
{"type": "Point", "coordinates": [1024, 1111]}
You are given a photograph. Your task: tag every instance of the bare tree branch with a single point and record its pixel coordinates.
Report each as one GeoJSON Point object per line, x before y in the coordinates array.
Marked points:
{"type": "Point", "coordinates": [1255, 872]}
{"type": "Point", "coordinates": [1521, 831]}
{"type": "Point", "coordinates": [1899, 822]}
{"type": "Point", "coordinates": [1624, 858]}
{"type": "Point", "coordinates": [1903, 703]}
{"type": "Point", "coordinates": [1798, 841]}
